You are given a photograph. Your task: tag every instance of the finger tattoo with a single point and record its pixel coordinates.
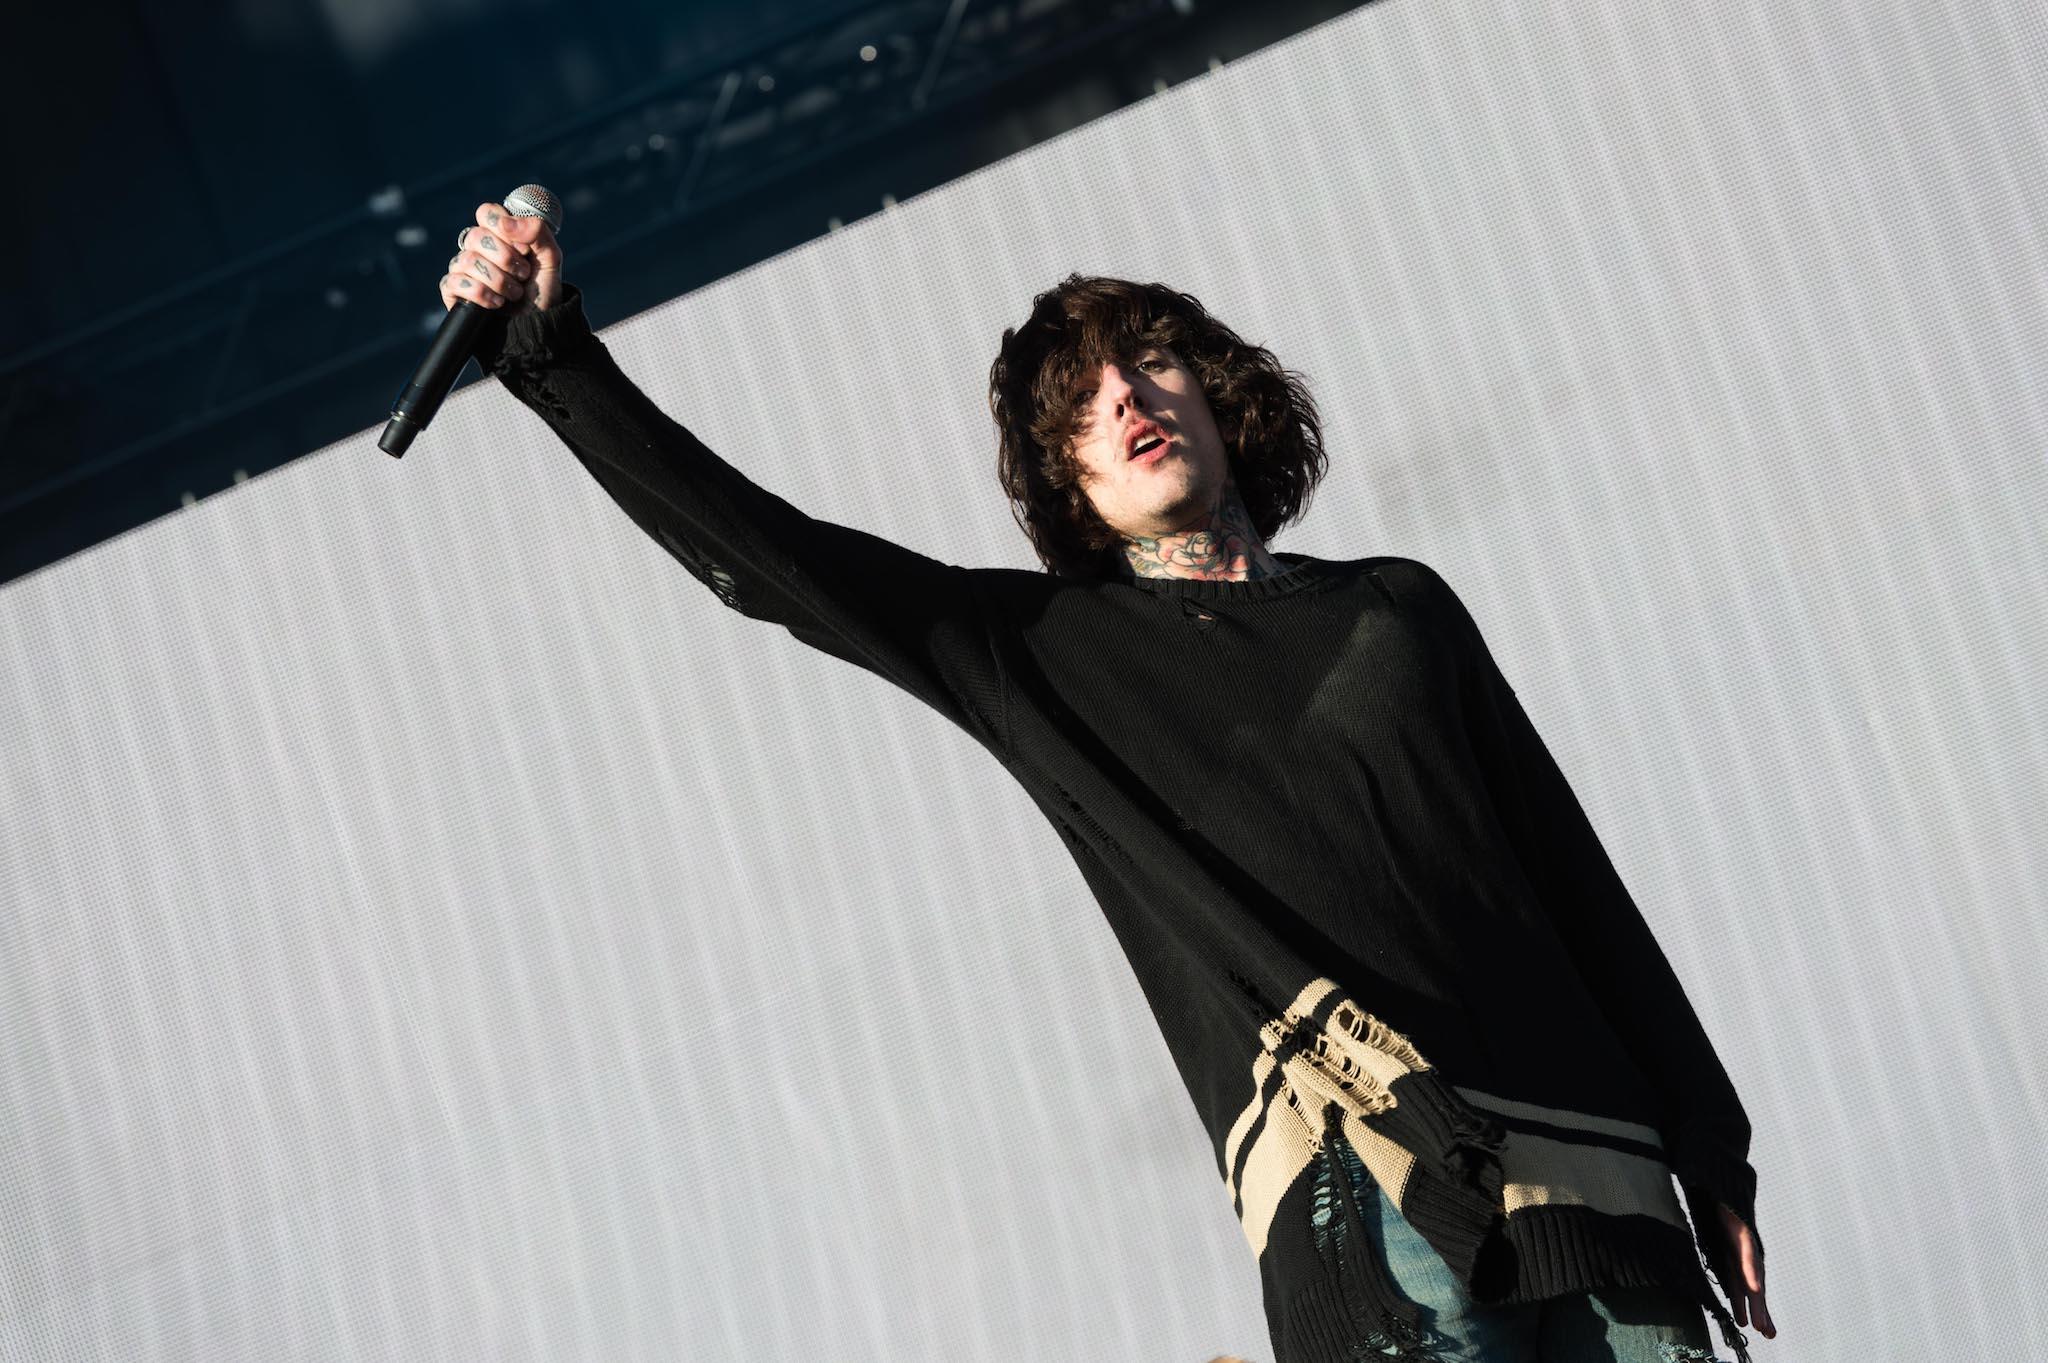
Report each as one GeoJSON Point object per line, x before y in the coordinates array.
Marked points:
{"type": "Point", "coordinates": [488, 244]}
{"type": "Point", "coordinates": [491, 218]}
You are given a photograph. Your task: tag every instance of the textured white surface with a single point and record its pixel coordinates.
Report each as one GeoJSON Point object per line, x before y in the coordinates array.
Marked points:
{"type": "Point", "coordinates": [435, 927]}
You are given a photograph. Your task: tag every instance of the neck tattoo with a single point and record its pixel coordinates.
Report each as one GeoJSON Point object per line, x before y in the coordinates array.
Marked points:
{"type": "Point", "coordinates": [1222, 545]}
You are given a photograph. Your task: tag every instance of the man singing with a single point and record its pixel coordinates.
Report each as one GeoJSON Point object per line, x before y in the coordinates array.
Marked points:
{"type": "Point", "coordinates": [1446, 1071]}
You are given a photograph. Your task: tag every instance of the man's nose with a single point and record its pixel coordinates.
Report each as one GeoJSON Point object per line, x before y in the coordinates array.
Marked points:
{"type": "Point", "coordinates": [1117, 387]}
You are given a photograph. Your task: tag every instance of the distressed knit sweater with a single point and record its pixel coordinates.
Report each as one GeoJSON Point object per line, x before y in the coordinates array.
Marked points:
{"type": "Point", "coordinates": [1399, 934]}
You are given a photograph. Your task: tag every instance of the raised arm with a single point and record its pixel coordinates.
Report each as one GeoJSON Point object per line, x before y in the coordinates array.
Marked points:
{"type": "Point", "coordinates": [911, 619]}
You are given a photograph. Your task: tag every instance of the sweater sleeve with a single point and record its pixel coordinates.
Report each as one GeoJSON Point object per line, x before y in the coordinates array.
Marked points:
{"type": "Point", "coordinates": [910, 619]}
{"type": "Point", "coordinates": [1705, 1129]}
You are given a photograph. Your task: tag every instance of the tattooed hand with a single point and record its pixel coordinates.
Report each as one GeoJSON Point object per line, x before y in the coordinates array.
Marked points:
{"type": "Point", "coordinates": [506, 261]}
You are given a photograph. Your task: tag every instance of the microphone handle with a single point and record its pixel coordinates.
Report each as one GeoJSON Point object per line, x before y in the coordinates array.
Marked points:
{"type": "Point", "coordinates": [422, 396]}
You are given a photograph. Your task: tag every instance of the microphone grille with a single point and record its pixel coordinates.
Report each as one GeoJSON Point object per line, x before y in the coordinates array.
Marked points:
{"type": "Point", "coordinates": [532, 201]}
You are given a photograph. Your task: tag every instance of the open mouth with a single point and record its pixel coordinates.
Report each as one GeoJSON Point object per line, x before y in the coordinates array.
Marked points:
{"type": "Point", "coordinates": [1148, 449]}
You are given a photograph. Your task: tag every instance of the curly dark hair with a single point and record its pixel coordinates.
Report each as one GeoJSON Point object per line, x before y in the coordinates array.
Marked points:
{"type": "Point", "coordinates": [1267, 419]}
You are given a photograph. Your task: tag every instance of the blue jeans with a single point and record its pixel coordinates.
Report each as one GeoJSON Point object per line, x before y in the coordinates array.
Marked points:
{"type": "Point", "coordinates": [1611, 1325]}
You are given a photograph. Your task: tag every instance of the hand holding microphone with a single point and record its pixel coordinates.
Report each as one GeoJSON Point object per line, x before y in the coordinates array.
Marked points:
{"type": "Point", "coordinates": [508, 259]}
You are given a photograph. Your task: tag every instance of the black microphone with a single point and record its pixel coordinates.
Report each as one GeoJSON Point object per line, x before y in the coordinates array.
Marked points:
{"type": "Point", "coordinates": [420, 399]}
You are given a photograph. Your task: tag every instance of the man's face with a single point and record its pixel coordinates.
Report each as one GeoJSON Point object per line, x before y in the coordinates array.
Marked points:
{"type": "Point", "coordinates": [1145, 493]}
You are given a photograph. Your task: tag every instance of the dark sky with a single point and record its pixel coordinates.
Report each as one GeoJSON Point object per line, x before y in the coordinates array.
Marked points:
{"type": "Point", "coordinates": [154, 141]}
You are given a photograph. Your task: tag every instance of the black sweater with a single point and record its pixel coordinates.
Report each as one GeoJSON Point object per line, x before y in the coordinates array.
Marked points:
{"type": "Point", "coordinates": [1360, 897]}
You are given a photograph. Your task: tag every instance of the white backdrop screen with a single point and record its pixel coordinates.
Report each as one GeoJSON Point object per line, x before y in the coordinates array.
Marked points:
{"type": "Point", "coordinates": [435, 927]}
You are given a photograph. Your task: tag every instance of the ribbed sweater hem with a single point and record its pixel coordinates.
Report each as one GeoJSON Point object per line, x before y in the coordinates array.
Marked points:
{"type": "Point", "coordinates": [1554, 1251]}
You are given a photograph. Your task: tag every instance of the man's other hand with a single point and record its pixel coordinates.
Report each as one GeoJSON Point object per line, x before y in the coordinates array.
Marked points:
{"type": "Point", "coordinates": [1749, 1260]}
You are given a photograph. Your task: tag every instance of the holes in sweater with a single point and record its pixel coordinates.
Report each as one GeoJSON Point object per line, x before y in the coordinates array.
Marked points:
{"type": "Point", "coordinates": [712, 575]}
{"type": "Point", "coordinates": [1335, 1160]}
{"type": "Point", "coordinates": [1334, 1058]}
{"type": "Point", "coordinates": [1252, 992]}
{"type": "Point", "coordinates": [721, 582]}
